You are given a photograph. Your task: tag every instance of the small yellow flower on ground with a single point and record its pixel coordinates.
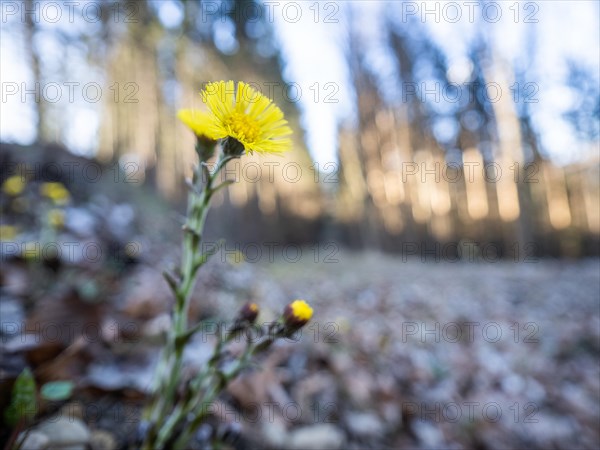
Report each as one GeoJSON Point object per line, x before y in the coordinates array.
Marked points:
{"type": "Point", "coordinates": [31, 251]}
{"type": "Point", "coordinates": [56, 192]}
{"type": "Point", "coordinates": [247, 116]}
{"type": "Point", "coordinates": [56, 217]}
{"type": "Point", "coordinates": [297, 313]}
{"type": "Point", "coordinates": [13, 185]}
{"type": "Point", "coordinates": [8, 232]}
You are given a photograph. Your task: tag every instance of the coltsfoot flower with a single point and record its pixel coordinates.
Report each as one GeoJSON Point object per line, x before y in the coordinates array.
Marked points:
{"type": "Point", "coordinates": [8, 232]}
{"type": "Point", "coordinates": [13, 185]}
{"type": "Point", "coordinates": [56, 192]}
{"type": "Point", "coordinates": [246, 116]}
{"type": "Point", "coordinates": [297, 314]}
{"type": "Point", "coordinates": [31, 251]}
{"type": "Point", "coordinates": [56, 217]}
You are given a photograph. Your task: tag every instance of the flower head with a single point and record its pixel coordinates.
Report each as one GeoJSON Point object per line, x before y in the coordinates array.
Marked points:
{"type": "Point", "coordinates": [247, 116]}
{"type": "Point", "coordinates": [14, 185]}
{"type": "Point", "coordinates": [56, 217]}
{"type": "Point", "coordinates": [31, 251]}
{"type": "Point", "coordinates": [56, 192]}
{"type": "Point", "coordinates": [297, 313]}
{"type": "Point", "coordinates": [8, 232]}
{"type": "Point", "coordinates": [246, 317]}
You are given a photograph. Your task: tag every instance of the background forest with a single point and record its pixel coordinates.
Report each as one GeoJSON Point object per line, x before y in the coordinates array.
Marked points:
{"type": "Point", "coordinates": [109, 81]}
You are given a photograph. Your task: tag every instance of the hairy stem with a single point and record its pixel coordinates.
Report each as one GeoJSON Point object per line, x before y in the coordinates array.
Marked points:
{"type": "Point", "coordinates": [163, 407]}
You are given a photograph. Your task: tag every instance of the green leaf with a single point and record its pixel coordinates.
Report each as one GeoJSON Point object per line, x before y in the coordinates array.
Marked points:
{"type": "Point", "coordinates": [23, 403]}
{"type": "Point", "coordinates": [202, 258]}
{"type": "Point", "coordinates": [57, 390]}
{"type": "Point", "coordinates": [222, 185]}
{"type": "Point", "coordinates": [88, 290]}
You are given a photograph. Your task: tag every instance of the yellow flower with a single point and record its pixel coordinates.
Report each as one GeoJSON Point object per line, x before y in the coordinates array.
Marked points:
{"type": "Point", "coordinates": [297, 313]}
{"type": "Point", "coordinates": [246, 116]}
{"type": "Point", "coordinates": [14, 185]}
{"type": "Point", "coordinates": [8, 232]}
{"type": "Point", "coordinates": [56, 217]}
{"type": "Point", "coordinates": [195, 120]}
{"type": "Point", "coordinates": [31, 250]}
{"type": "Point", "coordinates": [56, 192]}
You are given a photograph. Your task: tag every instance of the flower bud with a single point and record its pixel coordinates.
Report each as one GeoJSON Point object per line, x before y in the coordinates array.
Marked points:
{"type": "Point", "coordinates": [248, 312]}
{"type": "Point", "coordinates": [246, 317]}
{"type": "Point", "coordinates": [297, 314]}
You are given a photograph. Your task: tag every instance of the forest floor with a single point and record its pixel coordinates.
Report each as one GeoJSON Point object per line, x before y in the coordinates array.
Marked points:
{"type": "Point", "coordinates": [399, 353]}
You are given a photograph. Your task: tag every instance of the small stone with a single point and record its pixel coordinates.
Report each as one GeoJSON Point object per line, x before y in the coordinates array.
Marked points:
{"type": "Point", "coordinates": [428, 434]}
{"type": "Point", "coordinates": [274, 433]}
{"type": "Point", "coordinates": [72, 410]}
{"type": "Point", "coordinates": [550, 430]}
{"type": "Point", "coordinates": [513, 384]}
{"type": "Point", "coordinates": [317, 437]}
{"type": "Point", "coordinates": [365, 424]}
{"type": "Point", "coordinates": [157, 327]}
{"type": "Point", "coordinates": [13, 317]}
{"type": "Point", "coordinates": [102, 440]}
{"type": "Point", "coordinates": [67, 433]}
{"type": "Point", "coordinates": [33, 440]}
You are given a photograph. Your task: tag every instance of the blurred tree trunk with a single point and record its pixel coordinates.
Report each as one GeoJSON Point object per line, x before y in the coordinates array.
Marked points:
{"type": "Point", "coordinates": [43, 130]}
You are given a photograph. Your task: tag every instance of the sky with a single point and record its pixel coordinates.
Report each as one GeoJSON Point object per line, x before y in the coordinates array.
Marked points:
{"type": "Point", "coordinates": [314, 52]}
{"type": "Point", "coordinates": [313, 37]}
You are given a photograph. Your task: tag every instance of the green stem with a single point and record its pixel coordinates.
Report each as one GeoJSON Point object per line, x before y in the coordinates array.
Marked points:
{"type": "Point", "coordinates": [168, 372]}
{"type": "Point", "coordinates": [212, 381]}
{"type": "Point", "coordinates": [219, 382]}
